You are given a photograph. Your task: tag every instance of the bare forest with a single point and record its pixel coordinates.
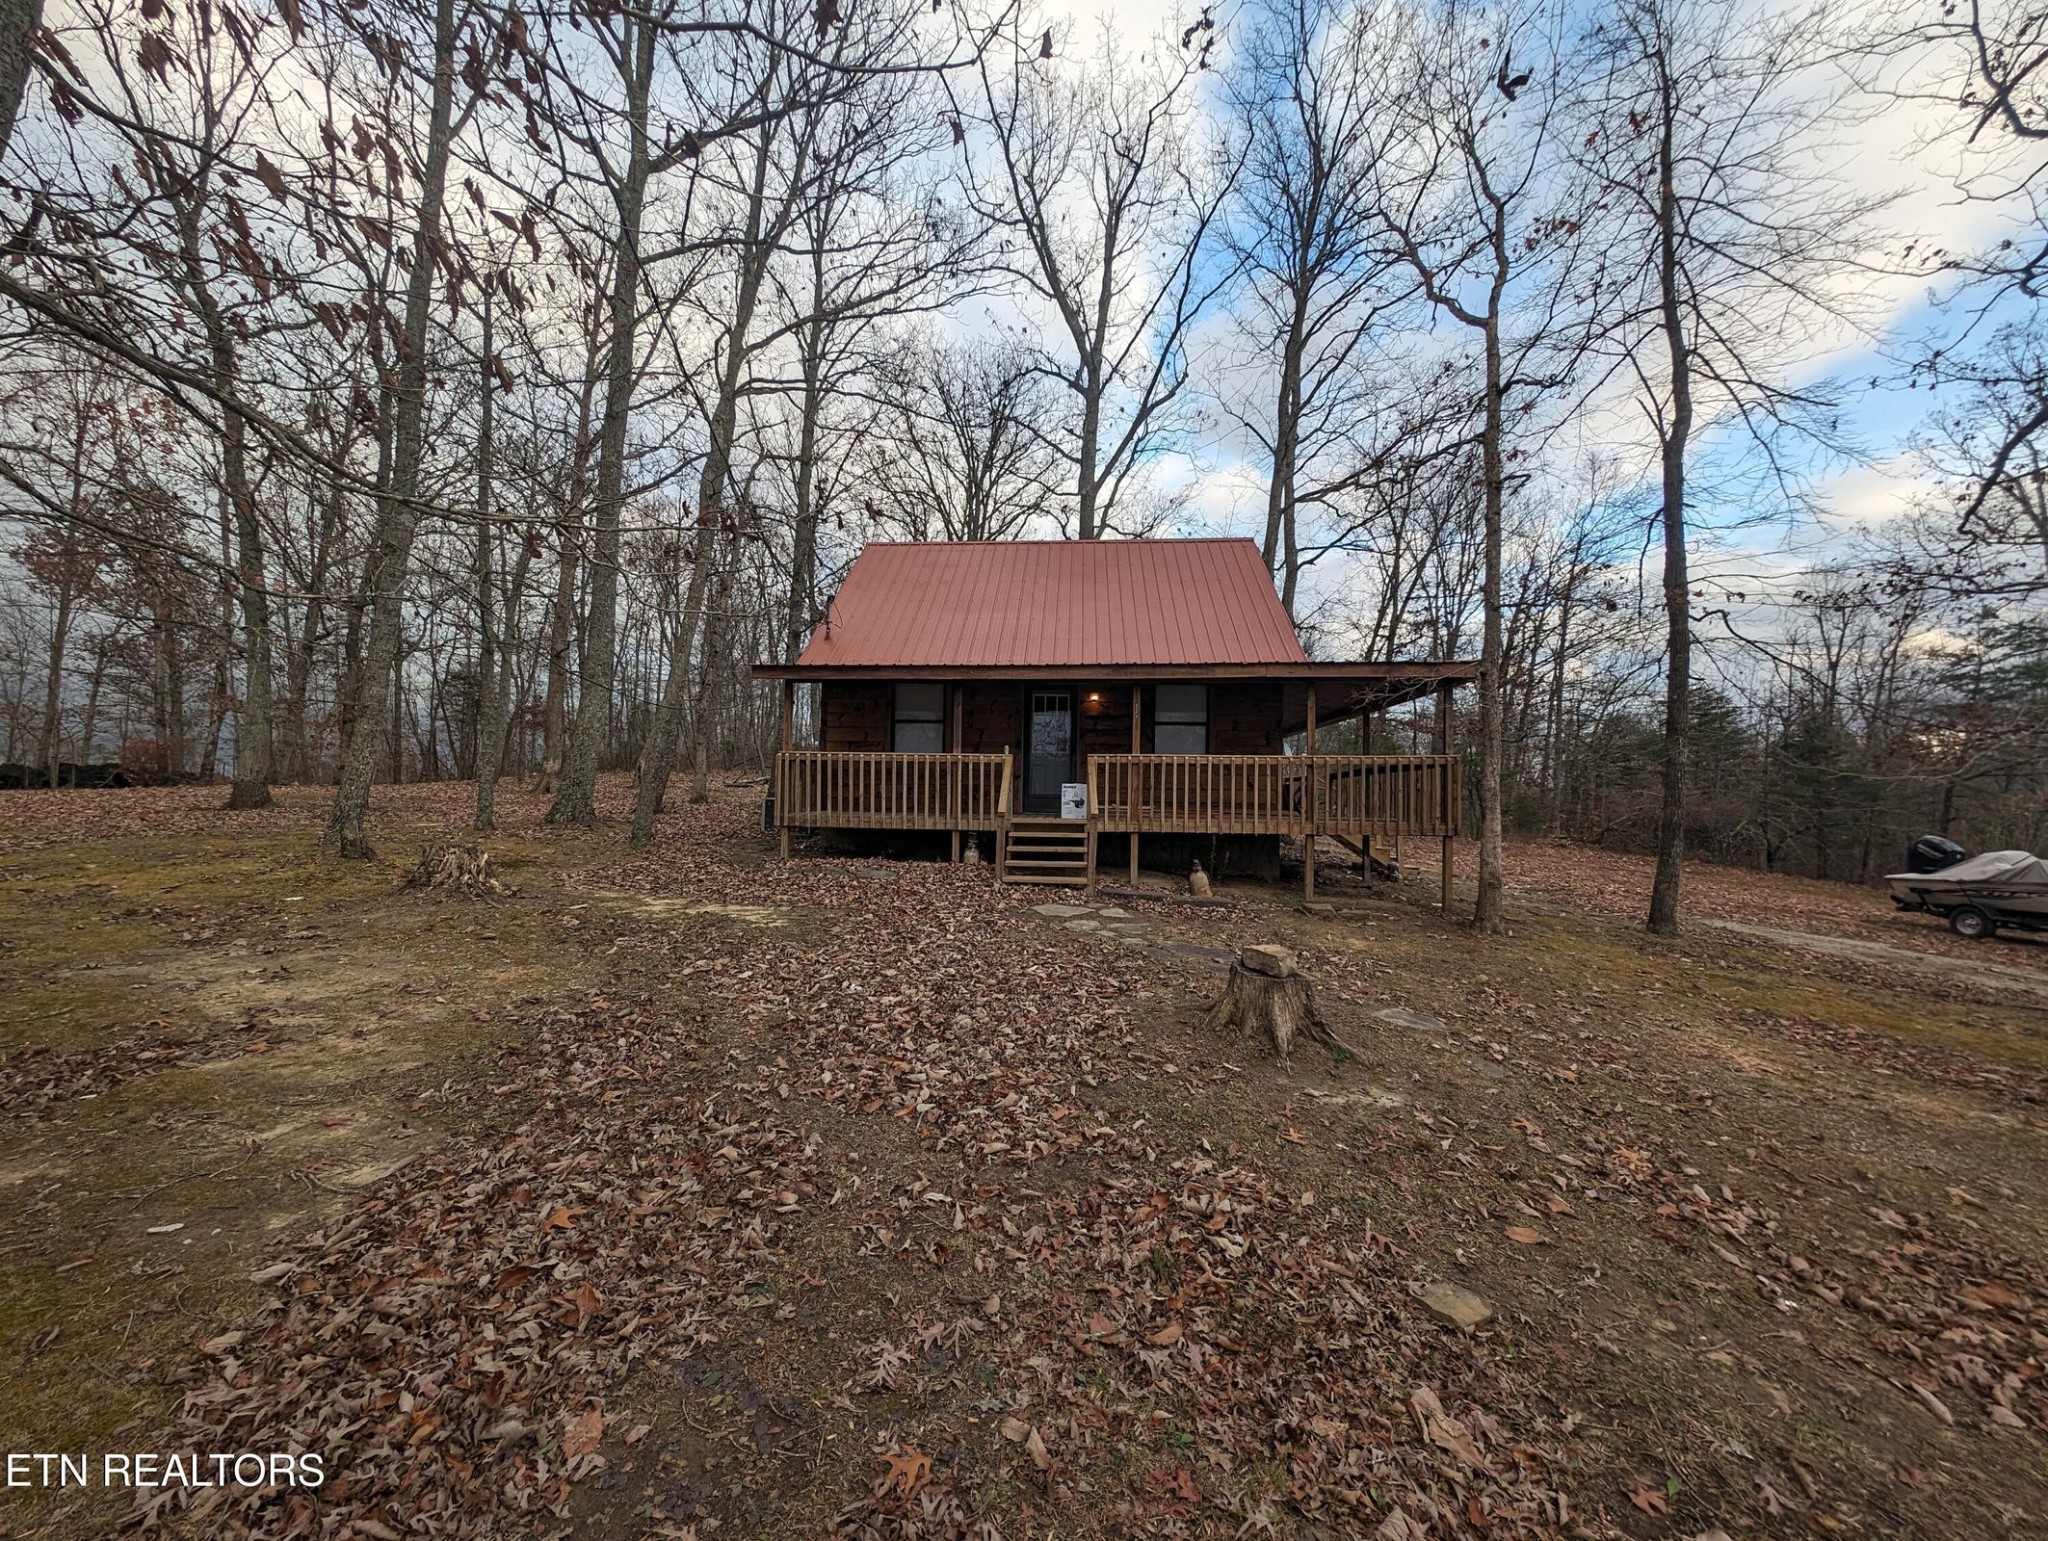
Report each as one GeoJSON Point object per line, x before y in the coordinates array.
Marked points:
{"type": "Point", "coordinates": [408, 392]}
{"type": "Point", "coordinates": [439, 1054]}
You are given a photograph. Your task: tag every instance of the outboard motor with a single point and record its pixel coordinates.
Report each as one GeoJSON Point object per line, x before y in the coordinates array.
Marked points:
{"type": "Point", "coordinates": [1931, 853]}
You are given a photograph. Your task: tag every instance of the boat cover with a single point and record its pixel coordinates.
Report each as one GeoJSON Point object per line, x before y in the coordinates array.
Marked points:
{"type": "Point", "coordinates": [1991, 869]}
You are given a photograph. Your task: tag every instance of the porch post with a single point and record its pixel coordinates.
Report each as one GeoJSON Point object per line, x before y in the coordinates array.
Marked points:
{"type": "Point", "coordinates": [953, 701]}
{"type": "Point", "coordinates": [1131, 780]}
{"type": "Point", "coordinates": [788, 742]}
{"type": "Point", "coordinates": [1308, 837]}
{"type": "Point", "coordinates": [1443, 747]}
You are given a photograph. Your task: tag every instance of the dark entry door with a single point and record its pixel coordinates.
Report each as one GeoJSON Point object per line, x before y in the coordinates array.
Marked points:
{"type": "Point", "coordinates": [1052, 750]}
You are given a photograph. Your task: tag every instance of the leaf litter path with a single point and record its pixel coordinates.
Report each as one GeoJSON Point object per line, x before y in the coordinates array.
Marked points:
{"type": "Point", "coordinates": [1097, 1319]}
{"type": "Point", "coordinates": [913, 1215]}
{"type": "Point", "coordinates": [1963, 970]}
{"type": "Point", "coordinates": [1595, 881]}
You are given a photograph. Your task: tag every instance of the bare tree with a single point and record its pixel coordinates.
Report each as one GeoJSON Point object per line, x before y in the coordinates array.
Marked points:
{"type": "Point", "coordinates": [768, 78]}
{"type": "Point", "coordinates": [1731, 247]}
{"type": "Point", "coordinates": [19, 20]}
{"type": "Point", "coordinates": [1319, 276]}
{"type": "Point", "coordinates": [1982, 67]}
{"type": "Point", "coordinates": [398, 503]}
{"type": "Point", "coordinates": [1467, 192]}
{"type": "Point", "coordinates": [960, 446]}
{"type": "Point", "coordinates": [1101, 180]}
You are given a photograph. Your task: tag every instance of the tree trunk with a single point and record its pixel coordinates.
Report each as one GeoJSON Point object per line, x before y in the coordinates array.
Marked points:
{"type": "Point", "coordinates": [1085, 490]}
{"type": "Point", "coordinates": [53, 693]}
{"type": "Point", "coordinates": [1663, 918]}
{"type": "Point", "coordinates": [576, 787]}
{"type": "Point", "coordinates": [498, 708]}
{"type": "Point", "coordinates": [253, 772]}
{"type": "Point", "coordinates": [803, 560]}
{"type": "Point", "coordinates": [294, 759]}
{"type": "Point", "coordinates": [1488, 913]}
{"type": "Point", "coordinates": [397, 513]}
{"type": "Point", "coordinates": [713, 513]}
{"type": "Point", "coordinates": [1280, 547]}
{"type": "Point", "coordinates": [19, 20]}
{"type": "Point", "coordinates": [90, 726]}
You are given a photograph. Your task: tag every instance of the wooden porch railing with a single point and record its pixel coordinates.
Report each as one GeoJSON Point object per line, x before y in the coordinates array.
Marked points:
{"type": "Point", "coordinates": [1355, 796]}
{"type": "Point", "coordinates": [1221, 794]}
{"type": "Point", "coordinates": [834, 789]}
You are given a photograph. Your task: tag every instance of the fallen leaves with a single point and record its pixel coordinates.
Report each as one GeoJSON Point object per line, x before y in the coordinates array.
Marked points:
{"type": "Point", "coordinates": [584, 1433]}
{"type": "Point", "coordinates": [905, 1472]}
{"type": "Point", "coordinates": [1650, 1500]}
{"type": "Point", "coordinates": [1156, 1295]}
{"type": "Point", "coordinates": [1442, 1430]}
{"type": "Point", "coordinates": [654, 1216]}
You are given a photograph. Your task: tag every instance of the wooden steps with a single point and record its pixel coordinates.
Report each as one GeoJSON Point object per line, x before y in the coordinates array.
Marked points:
{"type": "Point", "coordinates": [1376, 864]}
{"type": "Point", "coordinates": [1045, 850]}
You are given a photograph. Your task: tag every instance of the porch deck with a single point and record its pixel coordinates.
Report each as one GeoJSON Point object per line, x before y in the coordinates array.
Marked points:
{"type": "Point", "coordinates": [1350, 798]}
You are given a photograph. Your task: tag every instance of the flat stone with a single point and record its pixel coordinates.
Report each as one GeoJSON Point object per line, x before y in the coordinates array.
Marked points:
{"type": "Point", "coordinates": [1059, 911]}
{"type": "Point", "coordinates": [874, 872]}
{"type": "Point", "coordinates": [1458, 1306]}
{"type": "Point", "coordinates": [1113, 913]}
{"type": "Point", "coordinates": [1135, 941]}
{"type": "Point", "coordinates": [1318, 906]}
{"type": "Point", "coordinates": [1131, 927]}
{"type": "Point", "coordinates": [1084, 925]}
{"type": "Point", "coordinates": [1273, 961]}
{"type": "Point", "coordinates": [1401, 1016]}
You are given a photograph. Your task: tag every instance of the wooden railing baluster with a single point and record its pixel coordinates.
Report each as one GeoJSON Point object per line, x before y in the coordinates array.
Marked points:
{"type": "Point", "coordinates": [1353, 796]}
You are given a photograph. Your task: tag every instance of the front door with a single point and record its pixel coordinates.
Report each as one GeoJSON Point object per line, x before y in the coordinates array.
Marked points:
{"type": "Point", "coordinates": [1052, 750]}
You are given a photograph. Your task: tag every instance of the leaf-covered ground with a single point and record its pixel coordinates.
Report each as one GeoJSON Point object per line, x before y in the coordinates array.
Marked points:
{"type": "Point", "coordinates": [702, 1193]}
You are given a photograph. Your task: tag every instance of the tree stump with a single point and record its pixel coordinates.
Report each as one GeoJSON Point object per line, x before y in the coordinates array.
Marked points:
{"type": "Point", "coordinates": [1268, 997]}
{"type": "Point", "coordinates": [465, 868]}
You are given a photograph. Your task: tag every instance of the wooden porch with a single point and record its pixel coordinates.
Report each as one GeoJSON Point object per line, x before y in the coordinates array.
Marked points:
{"type": "Point", "coordinates": [1353, 799]}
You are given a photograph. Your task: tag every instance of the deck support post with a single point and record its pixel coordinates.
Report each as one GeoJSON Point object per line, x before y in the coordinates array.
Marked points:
{"type": "Point", "coordinates": [788, 743]}
{"type": "Point", "coordinates": [957, 733]}
{"type": "Point", "coordinates": [1309, 809]}
{"type": "Point", "coordinates": [1443, 747]}
{"type": "Point", "coordinates": [1137, 747]}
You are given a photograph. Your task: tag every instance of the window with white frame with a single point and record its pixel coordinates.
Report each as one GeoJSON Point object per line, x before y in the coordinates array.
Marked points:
{"type": "Point", "coordinates": [920, 724]}
{"type": "Point", "coordinates": [1180, 719]}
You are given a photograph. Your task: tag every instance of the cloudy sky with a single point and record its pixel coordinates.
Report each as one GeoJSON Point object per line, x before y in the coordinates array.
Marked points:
{"type": "Point", "coordinates": [1901, 149]}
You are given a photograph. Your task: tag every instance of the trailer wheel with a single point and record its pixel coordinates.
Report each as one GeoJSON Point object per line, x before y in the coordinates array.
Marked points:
{"type": "Point", "coordinates": [1967, 920]}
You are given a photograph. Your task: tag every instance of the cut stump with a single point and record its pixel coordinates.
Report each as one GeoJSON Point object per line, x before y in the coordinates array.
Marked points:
{"type": "Point", "coordinates": [1268, 997]}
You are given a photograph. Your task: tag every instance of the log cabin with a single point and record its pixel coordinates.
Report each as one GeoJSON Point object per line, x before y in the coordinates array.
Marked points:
{"type": "Point", "coordinates": [1079, 702]}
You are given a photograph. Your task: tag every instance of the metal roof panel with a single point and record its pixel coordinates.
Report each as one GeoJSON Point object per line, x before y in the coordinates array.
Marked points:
{"type": "Point", "coordinates": [995, 604]}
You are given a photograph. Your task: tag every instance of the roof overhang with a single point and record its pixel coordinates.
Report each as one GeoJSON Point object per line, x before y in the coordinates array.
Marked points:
{"type": "Point", "coordinates": [1340, 689]}
{"type": "Point", "coordinates": [1455, 671]}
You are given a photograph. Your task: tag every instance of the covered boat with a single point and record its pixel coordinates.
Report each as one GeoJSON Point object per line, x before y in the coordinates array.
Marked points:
{"type": "Point", "coordinates": [1981, 894]}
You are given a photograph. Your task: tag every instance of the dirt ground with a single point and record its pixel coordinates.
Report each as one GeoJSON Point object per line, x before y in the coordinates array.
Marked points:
{"type": "Point", "coordinates": [699, 1193]}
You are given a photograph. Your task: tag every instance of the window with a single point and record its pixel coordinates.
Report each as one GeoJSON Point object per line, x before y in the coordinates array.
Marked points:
{"type": "Point", "coordinates": [920, 726]}
{"type": "Point", "coordinates": [1180, 719]}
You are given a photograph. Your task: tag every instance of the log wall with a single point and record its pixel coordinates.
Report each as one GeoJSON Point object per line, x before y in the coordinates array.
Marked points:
{"type": "Point", "coordinates": [1244, 717]}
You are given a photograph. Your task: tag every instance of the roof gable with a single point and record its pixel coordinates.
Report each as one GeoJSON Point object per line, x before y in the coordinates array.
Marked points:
{"type": "Point", "coordinates": [1055, 604]}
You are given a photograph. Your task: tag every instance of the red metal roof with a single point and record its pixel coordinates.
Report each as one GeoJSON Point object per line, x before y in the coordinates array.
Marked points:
{"type": "Point", "coordinates": [1068, 603]}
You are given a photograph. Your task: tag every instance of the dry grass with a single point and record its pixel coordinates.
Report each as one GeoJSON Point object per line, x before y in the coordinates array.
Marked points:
{"type": "Point", "coordinates": [1787, 1205]}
